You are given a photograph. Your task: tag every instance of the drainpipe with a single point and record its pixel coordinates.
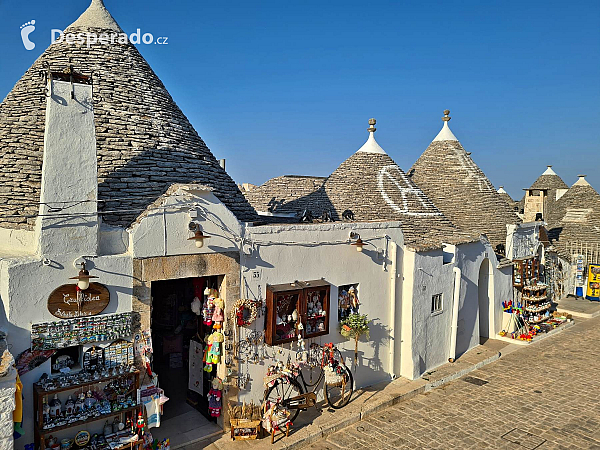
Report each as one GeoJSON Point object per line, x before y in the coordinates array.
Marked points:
{"type": "Point", "coordinates": [393, 276]}
{"type": "Point", "coordinates": [454, 326]}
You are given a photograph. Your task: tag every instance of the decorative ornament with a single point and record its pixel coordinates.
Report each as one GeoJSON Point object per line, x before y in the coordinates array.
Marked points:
{"type": "Point", "coordinates": [353, 327]}
{"type": "Point", "coordinates": [237, 313]}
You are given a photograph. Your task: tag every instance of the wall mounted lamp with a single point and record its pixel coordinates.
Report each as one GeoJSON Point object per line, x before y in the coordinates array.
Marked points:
{"type": "Point", "coordinates": [198, 236]}
{"type": "Point", "coordinates": [358, 243]}
{"type": "Point", "coordinates": [83, 279]}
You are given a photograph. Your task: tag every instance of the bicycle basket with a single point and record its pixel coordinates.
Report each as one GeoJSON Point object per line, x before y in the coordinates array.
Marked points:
{"type": "Point", "coordinates": [332, 377]}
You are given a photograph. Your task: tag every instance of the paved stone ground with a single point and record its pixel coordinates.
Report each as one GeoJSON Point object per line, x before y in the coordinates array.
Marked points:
{"type": "Point", "coordinates": [544, 396]}
{"type": "Point", "coordinates": [579, 307]}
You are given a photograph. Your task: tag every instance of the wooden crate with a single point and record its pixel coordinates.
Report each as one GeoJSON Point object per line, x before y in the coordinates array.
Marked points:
{"type": "Point", "coordinates": [245, 429]}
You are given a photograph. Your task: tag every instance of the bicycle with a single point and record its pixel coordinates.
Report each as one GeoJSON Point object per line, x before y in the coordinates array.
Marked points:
{"type": "Point", "coordinates": [289, 391]}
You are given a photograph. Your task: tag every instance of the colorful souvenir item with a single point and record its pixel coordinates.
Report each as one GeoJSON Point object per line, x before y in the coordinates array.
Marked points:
{"type": "Point", "coordinates": [214, 398]}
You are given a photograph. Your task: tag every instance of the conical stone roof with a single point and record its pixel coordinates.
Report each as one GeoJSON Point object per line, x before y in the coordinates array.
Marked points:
{"type": "Point", "coordinates": [288, 194]}
{"type": "Point", "coordinates": [446, 173]}
{"type": "Point", "coordinates": [506, 197]}
{"type": "Point", "coordinates": [144, 141]}
{"type": "Point", "coordinates": [578, 217]}
{"type": "Point", "coordinates": [549, 180]}
{"type": "Point", "coordinates": [374, 188]}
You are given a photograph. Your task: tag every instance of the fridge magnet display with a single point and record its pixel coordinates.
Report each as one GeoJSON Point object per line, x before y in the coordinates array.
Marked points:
{"type": "Point", "coordinates": [71, 332]}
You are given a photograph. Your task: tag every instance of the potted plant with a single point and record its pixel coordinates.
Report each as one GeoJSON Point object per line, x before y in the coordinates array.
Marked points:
{"type": "Point", "coordinates": [353, 327]}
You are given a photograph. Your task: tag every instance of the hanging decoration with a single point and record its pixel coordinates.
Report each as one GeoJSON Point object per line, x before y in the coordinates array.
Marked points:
{"type": "Point", "coordinates": [353, 327]}
{"type": "Point", "coordinates": [244, 312]}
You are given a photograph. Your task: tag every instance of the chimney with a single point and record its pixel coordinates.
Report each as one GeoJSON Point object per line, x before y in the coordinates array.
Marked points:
{"type": "Point", "coordinates": [222, 163]}
{"type": "Point", "coordinates": [68, 221]}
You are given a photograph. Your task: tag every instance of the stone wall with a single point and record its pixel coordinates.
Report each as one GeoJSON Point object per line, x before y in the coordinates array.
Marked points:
{"type": "Point", "coordinates": [147, 270]}
{"type": "Point", "coordinates": [7, 406]}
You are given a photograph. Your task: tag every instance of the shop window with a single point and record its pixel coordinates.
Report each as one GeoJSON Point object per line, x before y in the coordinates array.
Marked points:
{"type": "Point", "coordinates": [347, 301]}
{"type": "Point", "coordinates": [289, 305]}
{"type": "Point", "coordinates": [436, 303]}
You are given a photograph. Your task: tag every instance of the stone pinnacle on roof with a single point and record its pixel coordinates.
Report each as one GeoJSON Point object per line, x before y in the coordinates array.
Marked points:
{"type": "Point", "coordinates": [97, 16]}
{"type": "Point", "coordinates": [581, 181]}
{"type": "Point", "coordinates": [445, 134]}
{"type": "Point", "coordinates": [371, 146]}
{"type": "Point", "coordinates": [549, 171]}
{"type": "Point", "coordinates": [501, 190]}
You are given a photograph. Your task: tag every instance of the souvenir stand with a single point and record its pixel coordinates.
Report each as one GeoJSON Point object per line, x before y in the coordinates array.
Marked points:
{"type": "Point", "coordinates": [105, 387]}
{"type": "Point", "coordinates": [529, 314]}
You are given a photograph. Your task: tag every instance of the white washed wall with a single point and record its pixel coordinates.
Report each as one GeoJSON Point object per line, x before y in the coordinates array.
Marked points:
{"type": "Point", "coordinates": [339, 264]}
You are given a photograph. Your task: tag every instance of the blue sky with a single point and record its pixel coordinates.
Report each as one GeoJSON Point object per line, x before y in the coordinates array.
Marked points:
{"type": "Point", "coordinates": [288, 87]}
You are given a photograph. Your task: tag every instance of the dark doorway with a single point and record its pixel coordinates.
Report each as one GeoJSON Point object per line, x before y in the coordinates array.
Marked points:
{"type": "Point", "coordinates": [176, 329]}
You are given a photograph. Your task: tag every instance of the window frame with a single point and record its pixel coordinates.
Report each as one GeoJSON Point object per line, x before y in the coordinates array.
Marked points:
{"type": "Point", "coordinates": [435, 312]}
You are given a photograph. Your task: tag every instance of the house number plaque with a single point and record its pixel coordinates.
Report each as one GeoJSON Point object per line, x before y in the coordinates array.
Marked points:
{"type": "Point", "coordinates": [66, 302]}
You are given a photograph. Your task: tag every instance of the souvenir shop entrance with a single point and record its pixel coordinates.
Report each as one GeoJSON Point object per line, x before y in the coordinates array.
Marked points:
{"type": "Point", "coordinates": [178, 336]}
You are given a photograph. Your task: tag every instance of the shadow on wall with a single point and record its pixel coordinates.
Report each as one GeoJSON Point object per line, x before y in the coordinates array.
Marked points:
{"type": "Point", "coordinates": [468, 319]}
{"type": "Point", "coordinates": [15, 334]}
{"type": "Point", "coordinates": [367, 368]}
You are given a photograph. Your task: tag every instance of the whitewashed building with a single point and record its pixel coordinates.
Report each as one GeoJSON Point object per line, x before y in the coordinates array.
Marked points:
{"type": "Point", "coordinates": [108, 171]}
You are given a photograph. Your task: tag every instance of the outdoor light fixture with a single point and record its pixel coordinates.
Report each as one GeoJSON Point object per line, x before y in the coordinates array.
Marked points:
{"type": "Point", "coordinates": [359, 243]}
{"type": "Point", "coordinates": [198, 236]}
{"type": "Point", "coordinates": [83, 279]}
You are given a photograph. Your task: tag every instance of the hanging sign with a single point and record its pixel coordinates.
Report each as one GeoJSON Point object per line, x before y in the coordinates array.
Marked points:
{"type": "Point", "coordinates": [593, 282]}
{"type": "Point", "coordinates": [66, 302]}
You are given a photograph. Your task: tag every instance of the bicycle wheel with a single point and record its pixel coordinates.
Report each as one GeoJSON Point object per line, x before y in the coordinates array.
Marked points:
{"type": "Point", "coordinates": [338, 395]}
{"type": "Point", "coordinates": [284, 389]}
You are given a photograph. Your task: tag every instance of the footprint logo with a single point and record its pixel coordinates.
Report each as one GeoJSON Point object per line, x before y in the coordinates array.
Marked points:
{"type": "Point", "coordinates": [26, 29]}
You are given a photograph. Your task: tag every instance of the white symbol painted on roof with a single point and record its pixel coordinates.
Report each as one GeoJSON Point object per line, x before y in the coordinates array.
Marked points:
{"type": "Point", "coordinates": [394, 175]}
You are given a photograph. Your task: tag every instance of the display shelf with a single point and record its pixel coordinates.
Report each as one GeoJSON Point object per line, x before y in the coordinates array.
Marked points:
{"type": "Point", "coordinates": [540, 320]}
{"type": "Point", "coordinates": [43, 431]}
{"type": "Point", "coordinates": [309, 300]}
{"type": "Point", "coordinates": [39, 394]}
{"type": "Point", "coordinates": [528, 298]}
{"type": "Point", "coordinates": [37, 388]}
{"type": "Point", "coordinates": [538, 310]}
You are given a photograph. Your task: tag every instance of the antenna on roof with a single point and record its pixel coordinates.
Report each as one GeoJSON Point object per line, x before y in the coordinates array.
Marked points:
{"type": "Point", "coordinates": [372, 128]}
{"type": "Point", "coordinates": [446, 117]}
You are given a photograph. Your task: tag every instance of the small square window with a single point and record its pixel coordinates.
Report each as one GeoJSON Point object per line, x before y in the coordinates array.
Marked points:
{"type": "Point", "coordinates": [436, 303]}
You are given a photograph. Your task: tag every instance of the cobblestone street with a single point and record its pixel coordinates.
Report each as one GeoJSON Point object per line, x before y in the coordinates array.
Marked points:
{"type": "Point", "coordinates": [546, 395]}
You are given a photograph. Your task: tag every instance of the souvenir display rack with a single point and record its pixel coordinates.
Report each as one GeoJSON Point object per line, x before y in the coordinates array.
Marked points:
{"type": "Point", "coordinates": [40, 393]}
{"type": "Point", "coordinates": [525, 270]}
{"type": "Point", "coordinates": [82, 330]}
{"type": "Point", "coordinates": [294, 306]}
{"type": "Point", "coordinates": [536, 303]}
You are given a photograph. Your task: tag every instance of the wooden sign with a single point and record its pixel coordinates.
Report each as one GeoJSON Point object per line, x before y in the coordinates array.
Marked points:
{"type": "Point", "coordinates": [66, 302]}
